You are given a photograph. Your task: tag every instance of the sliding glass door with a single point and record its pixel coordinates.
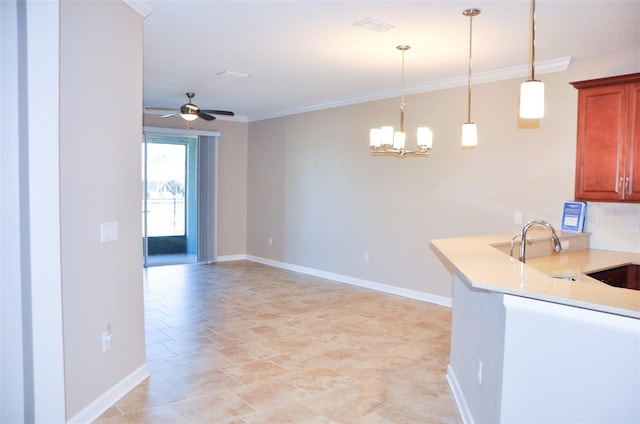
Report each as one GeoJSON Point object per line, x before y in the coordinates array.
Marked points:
{"type": "Point", "coordinates": [169, 199]}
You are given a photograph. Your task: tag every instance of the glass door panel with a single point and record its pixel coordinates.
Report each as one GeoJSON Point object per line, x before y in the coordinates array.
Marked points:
{"type": "Point", "coordinates": [168, 198]}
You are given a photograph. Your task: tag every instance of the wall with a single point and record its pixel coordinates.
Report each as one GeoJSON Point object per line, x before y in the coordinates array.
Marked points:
{"type": "Point", "coordinates": [31, 358]}
{"type": "Point", "coordinates": [477, 351]}
{"type": "Point", "coordinates": [232, 178]}
{"type": "Point", "coordinates": [100, 168]}
{"type": "Point", "coordinates": [315, 191]}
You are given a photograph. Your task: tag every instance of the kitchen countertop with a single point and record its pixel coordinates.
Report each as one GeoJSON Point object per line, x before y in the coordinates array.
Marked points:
{"type": "Point", "coordinates": [490, 269]}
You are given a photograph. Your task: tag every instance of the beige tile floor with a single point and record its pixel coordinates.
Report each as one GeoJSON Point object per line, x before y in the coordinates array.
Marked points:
{"type": "Point", "coordinates": [244, 343]}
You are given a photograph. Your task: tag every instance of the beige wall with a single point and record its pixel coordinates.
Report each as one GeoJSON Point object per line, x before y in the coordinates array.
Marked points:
{"type": "Point", "coordinates": [100, 128]}
{"type": "Point", "coordinates": [232, 178]}
{"type": "Point", "coordinates": [315, 190]}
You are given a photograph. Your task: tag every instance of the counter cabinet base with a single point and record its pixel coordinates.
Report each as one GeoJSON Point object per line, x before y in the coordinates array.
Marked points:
{"type": "Point", "coordinates": [515, 359]}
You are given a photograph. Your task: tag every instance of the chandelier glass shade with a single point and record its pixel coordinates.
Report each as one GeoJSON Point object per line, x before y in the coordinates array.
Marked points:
{"type": "Point", "coordinates": [470, 129]}
{"type": "Point", "coordinates": [386, 141]}
{"type": "Point", "coordinates": [532, 90]}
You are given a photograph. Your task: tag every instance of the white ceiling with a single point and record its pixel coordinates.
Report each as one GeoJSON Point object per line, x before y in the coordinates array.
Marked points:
{"type": "Point", "coordinates": [304, 55]}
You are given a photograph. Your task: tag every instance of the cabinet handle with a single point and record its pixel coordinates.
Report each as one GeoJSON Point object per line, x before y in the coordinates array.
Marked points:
{"type": "Point", "coordinates": [620, 187]}
{"type": "Point", "coordinates": [627, 186]}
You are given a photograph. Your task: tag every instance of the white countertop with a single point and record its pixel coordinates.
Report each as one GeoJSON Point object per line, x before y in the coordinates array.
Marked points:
{"type": "Point", "coordinates": [490, 269]}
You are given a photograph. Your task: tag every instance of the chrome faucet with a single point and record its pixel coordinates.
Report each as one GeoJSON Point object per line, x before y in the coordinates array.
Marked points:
{"type": "Point", "coordinates": [523, 236]}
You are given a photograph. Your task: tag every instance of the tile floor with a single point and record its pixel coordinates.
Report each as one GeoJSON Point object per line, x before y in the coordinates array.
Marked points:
{"type": "Point", "coordinates": [244, 343]}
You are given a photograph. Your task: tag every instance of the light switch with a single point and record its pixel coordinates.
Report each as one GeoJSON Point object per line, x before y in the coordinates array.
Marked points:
{"type": "Point", "coordinates": [108, 231]}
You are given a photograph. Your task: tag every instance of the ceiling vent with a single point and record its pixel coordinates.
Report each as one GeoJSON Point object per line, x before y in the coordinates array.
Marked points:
{"type": "Point", "coordinates": [373, 25]}
{"type": "Point", "coordinates": [232, 74]}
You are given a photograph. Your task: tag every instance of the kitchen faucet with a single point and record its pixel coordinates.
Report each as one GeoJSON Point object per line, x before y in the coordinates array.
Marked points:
{"type": "Point", "coordinates": [523, 236]}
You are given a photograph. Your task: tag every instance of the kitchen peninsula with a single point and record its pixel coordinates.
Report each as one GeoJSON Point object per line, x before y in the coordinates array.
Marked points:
{"type": "Point", "coordinates": [528, 347]}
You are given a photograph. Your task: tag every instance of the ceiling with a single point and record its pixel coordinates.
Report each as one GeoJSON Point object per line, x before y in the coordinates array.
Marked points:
{"type": "Point", "coordinates": [305, 55]}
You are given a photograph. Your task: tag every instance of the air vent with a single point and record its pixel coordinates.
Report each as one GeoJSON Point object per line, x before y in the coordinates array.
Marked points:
{"type": "Point", "coordinates": [373, 25]}
{"type": "Point", "coordinates": [232, 74]}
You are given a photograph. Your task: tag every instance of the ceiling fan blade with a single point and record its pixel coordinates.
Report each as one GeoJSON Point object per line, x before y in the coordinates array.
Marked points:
{"type": "Point", "coordinates": [218, 112]}
{"type": "Point", "coordinates": [170, 114]}
{"type": "Point", "coordinates": [205, 116]}
{"type": "Point", "coordinates": [160, 108]}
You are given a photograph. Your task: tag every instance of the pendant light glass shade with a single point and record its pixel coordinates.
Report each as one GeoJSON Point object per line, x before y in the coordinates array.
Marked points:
{"type": "Point", "coordinates": [425, 138]}
{"type": "Point", "coordinates": [469, 134]}
{"type": "Point", "coordinates": [532, 99]}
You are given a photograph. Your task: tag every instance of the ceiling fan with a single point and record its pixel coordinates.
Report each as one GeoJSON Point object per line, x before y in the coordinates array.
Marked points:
{"type": "Point", "coordinates": [191, 112]}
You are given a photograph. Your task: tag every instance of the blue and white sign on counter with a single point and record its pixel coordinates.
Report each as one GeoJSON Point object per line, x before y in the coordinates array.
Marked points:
{"type": "Point", "coordinates": [573, 215]}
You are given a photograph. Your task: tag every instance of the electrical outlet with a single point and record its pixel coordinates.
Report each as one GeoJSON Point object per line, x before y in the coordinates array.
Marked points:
{"type": "Point", "coordinates": [366, 257]}
{"type": "Point", "coordinates": [635, 224]}
{"type": "Point", "coordinates": [106, 338]}
{"type": "Point", "coordinates": [479, 371]}
{"type": "Point", "coordinates": [270, 241]}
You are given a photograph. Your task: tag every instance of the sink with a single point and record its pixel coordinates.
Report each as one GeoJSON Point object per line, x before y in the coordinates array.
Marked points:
{"type": "Point", "coordinates": [563, 277]}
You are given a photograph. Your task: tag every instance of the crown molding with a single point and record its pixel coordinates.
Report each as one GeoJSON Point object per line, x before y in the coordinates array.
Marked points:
{"type": "Point", "coordinates": [546, 67]}
{"type": "Point", "coordinates": [143, 7]}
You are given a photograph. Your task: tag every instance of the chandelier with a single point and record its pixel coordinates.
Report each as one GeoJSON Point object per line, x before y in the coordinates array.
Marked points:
{"type": "Point", "coordinates": [386, 141]}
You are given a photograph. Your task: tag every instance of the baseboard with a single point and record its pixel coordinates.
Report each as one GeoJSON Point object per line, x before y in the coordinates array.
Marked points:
{"type": "Point", "coordinates": [463, 408]}
{"type": "Point", "coordinates": [228, 258]}
{"type": "Point", "coordinates": [413, 294]}
{"type": "Point", "coordinates": [110, 397]}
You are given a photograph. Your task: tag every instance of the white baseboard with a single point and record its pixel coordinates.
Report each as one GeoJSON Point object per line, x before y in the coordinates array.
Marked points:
{"type": "Point", "coordinates": [413, 294]}
{"type": "Point", "coordinates": [227, 258]}
{"type": "Point", "coordinates": [463, 408]}
{"type": "Point", "coordinates": [110, 397]}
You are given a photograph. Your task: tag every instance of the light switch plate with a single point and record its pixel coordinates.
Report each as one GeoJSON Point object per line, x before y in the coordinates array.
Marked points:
{"type": "Point", "coordinates": [108, 231]}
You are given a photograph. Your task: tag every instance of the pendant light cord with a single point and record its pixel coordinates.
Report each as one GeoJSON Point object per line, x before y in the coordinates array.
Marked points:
{"type": "Point", "coordinates": [469, 80]}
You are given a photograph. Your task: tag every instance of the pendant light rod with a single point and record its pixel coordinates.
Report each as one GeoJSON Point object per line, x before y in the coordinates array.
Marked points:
{"type": "Point", "coordinates": [533, 40]}
{"type": "Point", "coordinates": [470, 13]}
{"type": "Point", "coordinates": [403, 48]}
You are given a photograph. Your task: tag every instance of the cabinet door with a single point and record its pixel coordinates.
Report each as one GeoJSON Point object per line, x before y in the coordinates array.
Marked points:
{"type": "Point", "coordinates": [633, 146]}
{"type": "Point", "coordinates": [602, 131]}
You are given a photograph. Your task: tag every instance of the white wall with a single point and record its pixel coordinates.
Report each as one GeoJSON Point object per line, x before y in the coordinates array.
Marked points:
{"type": "Point", "coordinates": [569, 365]}
{"type": "Point", "coordinates": [32, 383]}
{"type": "Point", "coordinates": [100, 167]}
{"type": "Point", "coordinates": [324, 201]}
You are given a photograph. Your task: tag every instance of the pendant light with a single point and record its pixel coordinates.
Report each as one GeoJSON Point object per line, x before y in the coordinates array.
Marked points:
{"type": "Point", "coordinates": [470, 129]}
{"type": "Point", "coordinates": [386, 141]}
{"type": "Point", "coordinates": [532, 90]}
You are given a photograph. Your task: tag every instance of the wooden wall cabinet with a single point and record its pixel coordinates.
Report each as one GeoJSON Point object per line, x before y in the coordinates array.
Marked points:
{"type": "Point", "coordinates": [608, 145]}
